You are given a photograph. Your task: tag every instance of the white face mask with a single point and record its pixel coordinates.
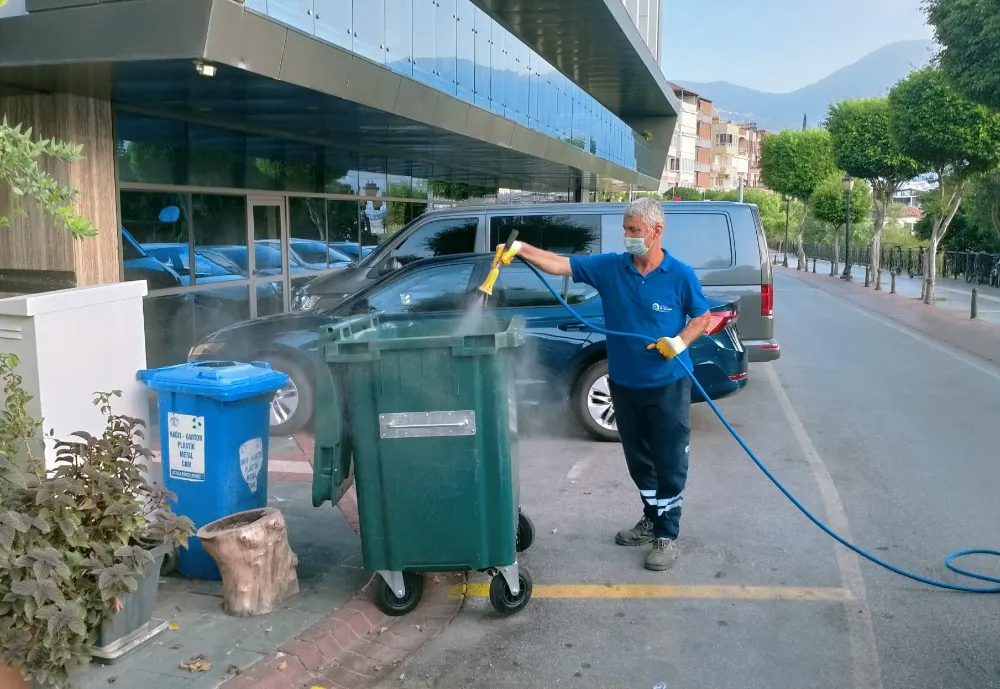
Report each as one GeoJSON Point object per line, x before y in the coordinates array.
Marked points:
{"type": "Point", "coordinates": [637, 245]}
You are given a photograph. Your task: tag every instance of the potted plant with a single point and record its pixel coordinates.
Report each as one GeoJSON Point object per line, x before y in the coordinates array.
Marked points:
{"type": "Point", "coordinates": [80, 547]}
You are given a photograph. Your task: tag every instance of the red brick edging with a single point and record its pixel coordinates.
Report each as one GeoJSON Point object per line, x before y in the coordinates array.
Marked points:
{"type": "Point", "coordinates": [356, 645]}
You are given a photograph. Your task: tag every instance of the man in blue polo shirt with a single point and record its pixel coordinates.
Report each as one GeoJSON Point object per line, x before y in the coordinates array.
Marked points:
{"type": "Point", "coordinates": [645, 291]}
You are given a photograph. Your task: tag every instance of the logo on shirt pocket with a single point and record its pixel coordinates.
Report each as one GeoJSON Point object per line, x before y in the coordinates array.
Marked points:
{"type": "Point", "coordinates": [662, 308]}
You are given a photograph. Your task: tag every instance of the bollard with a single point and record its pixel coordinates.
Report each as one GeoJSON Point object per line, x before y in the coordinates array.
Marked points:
{"type": "Point", "coordinates": [892, 281]}
{"type": "Point", "coordinates": [814, 265]}
{"type": "Point", "coordinates": [878, 280]}
{"type": "Point", "coordinates": [868, 276]}
{"type": "Point", "coordinates": [972, 313]}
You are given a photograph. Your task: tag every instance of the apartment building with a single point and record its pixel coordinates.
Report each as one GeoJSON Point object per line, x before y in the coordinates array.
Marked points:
{"type": "Point", "coordinates": [689, 158]}
{"type": "Point", "coordinates": [755, 138]}
{"type": "Point", "coordinates": [730, 154]}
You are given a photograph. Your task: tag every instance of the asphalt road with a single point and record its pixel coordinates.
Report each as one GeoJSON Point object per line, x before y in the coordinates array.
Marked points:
{"type": "Point", "coordinates": [877, 429]}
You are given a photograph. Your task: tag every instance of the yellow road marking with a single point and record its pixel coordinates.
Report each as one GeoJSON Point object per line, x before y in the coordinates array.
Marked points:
{"type": "Point", "coordinates": [599, 591]}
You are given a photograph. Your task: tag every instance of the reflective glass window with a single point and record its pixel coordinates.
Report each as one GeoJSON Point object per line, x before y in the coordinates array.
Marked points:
{"type": "Point", "coordinates": [425, 42]}
{"type": "Point", "coordinates": [523, 84]}
{"type": "Point", "coordinates": [155, 239]}
{"type": "Point", "coordinates": [296, 13]}
{"type": "Point", "coordinates": [335, 21]}
{"type": "Point", "coordinates": [369, 29]}
{"type": "Point", "coordinates": [398, 214]}
{"type": "Point", "coordinates": [169, 330]}
{"type": "Point", "coordinates": [483, 55]}
{"type": "Point", "coordinates": [519, 287]}
{"type": "Point", "coordinates": [439, 238]}
{"type": "Point", "coordinates": [466, 51]}
{"type": "Point", "coordinates": [443, 288]}
{"type": "Point", "coordinates": [562, 234]}
{"type": "Point", "coordinates": [273, 301]}
{"type": "Point", "coordinates": [342, 225]}
{"type": "Point", "coordinates": [498, 64]}
{"type": "Point", "coordinates": [220, 231]}
{"type": "Point", "coordinates": [447, 48]}
{"type": "Point", "coordinates": [510, 78]}
{"type": "Point", "coordinates": [534, 79]}
{"type": "Point", "coordinates": [399, 36]}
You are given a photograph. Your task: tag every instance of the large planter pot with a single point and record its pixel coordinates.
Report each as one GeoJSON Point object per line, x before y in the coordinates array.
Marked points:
{"type": "Point", "coordinates": [11, 678]}
{"type": "Point", "coordinates": [134, 624]}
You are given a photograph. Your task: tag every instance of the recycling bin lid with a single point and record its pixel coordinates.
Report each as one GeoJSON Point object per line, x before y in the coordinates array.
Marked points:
{"type": "Point", "coordinates": [226, 381]}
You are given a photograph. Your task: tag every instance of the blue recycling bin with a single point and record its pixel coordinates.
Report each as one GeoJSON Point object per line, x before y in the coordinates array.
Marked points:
{"type": "Point", "coordinates": [214, 422]}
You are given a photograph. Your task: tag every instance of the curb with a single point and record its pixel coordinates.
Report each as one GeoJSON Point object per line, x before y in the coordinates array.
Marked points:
{"type": "Point", "coordinates": [357, 645]}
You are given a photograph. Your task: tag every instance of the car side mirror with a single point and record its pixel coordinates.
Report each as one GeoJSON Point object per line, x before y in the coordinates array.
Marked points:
{"type": "Point", "coordinates": [390, 265]}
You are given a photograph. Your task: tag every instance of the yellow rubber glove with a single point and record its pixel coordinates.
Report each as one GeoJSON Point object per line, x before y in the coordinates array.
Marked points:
{"type": "Point", "coordinates": [669, 346]}
{"type": "Point", "coordinates": [507, 256]}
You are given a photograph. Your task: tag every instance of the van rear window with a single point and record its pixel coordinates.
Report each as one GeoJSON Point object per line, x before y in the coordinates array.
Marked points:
{"type": "Point", "coordinates": [702, 240]}
{"type": "Point", "coordinates": [562, 234]}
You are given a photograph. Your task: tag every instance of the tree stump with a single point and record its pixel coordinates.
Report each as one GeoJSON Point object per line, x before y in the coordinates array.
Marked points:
{"type": "Point", "coordinates": [257, 565]}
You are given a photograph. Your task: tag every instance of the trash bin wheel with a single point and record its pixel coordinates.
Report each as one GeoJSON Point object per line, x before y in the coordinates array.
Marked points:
{"type": "Point", "coordinates": [525, 532]}
{"type": "Point", "coordinates": [387, 602]}
{"type": "Point", "coordinates": [503, 601]}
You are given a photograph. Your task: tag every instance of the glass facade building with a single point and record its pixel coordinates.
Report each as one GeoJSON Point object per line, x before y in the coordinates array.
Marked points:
{"type": "Point", "coordinates": [235, 150]}
{"type": "Point", "coordinates": [458, 49]}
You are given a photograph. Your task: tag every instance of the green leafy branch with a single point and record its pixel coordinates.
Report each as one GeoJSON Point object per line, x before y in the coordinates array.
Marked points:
{"type": "Point", "coordinates": [21, 172]}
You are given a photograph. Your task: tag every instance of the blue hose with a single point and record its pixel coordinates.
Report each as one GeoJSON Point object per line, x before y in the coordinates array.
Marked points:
{"type": "Point", "coordinates": [687, 369]}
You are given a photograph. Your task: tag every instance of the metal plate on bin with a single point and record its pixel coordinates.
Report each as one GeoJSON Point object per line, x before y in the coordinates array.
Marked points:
{"type": "Point", "coordinates": [427, 424]}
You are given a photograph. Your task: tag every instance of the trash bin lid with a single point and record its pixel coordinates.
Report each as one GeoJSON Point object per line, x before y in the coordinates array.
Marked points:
{"type": "Point", "coordinates": [226, 381]}
{"type": "Point", "coordinates": [362, 337]}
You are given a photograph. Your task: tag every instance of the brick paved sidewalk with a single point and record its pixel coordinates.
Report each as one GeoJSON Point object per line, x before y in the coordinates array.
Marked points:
{"type": "Point", "coordinates": [356, 646]}
{"type": "Point", "coordinates": [955, 328]}
{"type": "Point", "coordinates": [352, 647]}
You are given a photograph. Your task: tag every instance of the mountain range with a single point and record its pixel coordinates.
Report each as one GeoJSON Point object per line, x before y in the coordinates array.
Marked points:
{"type": "Point", "coordinates": [872, 75]}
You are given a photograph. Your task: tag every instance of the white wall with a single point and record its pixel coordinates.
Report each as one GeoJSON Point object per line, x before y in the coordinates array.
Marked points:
{"type": "Point", "coordinates": [73, 343]}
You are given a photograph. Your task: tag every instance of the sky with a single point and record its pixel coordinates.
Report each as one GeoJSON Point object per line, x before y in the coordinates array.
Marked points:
{"type": "Point", "coordinates": [780, 45]}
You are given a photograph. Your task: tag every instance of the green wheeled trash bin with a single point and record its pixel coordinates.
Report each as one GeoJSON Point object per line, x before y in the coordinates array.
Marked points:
{"type": "Point", "coordinates": [421, 413]}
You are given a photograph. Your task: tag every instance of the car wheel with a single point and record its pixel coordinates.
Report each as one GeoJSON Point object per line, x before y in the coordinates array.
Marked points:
{"type": "Point", "coordinates": [592, 402]}
{"type": "Point", "coordinates": [292, 405]}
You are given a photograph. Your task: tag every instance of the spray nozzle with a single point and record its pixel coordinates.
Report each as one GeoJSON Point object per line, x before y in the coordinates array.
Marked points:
{"type": "Point", "coordinates": [491, 278]}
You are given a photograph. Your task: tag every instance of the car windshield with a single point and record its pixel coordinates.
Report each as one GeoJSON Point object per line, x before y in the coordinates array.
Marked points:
{"type": "Point", "coordinates": [177, 257]}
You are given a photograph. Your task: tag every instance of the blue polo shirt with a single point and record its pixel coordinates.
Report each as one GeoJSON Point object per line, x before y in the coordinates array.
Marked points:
{"type": "Point", "coordinates": [657, 305]}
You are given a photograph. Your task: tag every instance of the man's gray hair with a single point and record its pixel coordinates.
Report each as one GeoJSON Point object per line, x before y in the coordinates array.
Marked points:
{"type": "Point", "coordinates": [648, 209]}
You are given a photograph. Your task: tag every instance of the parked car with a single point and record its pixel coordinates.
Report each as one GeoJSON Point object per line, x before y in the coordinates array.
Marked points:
{"type": "Point", "coordinates": [561, 359]}
{"type": "Point", "coordinates": [723, 241]}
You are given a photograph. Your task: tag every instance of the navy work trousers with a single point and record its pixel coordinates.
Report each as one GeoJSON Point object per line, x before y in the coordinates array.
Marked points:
{"type": "Point", "coordinates": [655, 429]}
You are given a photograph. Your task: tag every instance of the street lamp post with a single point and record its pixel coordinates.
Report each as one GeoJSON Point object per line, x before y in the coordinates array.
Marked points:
{"type": "Point", "coordinates": [848, 185]}
{"type": "Point", "coordinates": [788, 206]}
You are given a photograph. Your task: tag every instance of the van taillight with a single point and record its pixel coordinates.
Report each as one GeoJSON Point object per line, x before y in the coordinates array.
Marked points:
{"type": "Point", "coordinates": [766, 300]}
{"type": "Point", "coordinates": [719, 321]}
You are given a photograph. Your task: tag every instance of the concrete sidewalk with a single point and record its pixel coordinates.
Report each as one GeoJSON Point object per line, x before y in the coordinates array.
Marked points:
{"type": "Point", "coordinates": [329, 635]}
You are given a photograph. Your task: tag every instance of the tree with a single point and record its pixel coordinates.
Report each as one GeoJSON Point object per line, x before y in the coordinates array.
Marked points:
{"type": "Point", "coordinates": [969, 34]}
{"type": "Point", "coordinates": [865, 148]}
{"type": "Point", "coordinates": [22, 174]}
{"type": "Point", "coordinates": [682, 193]}
{"type": "Point", "coordinates": [984, 204]}
{"type": "Point", "coordinates": [795, 163]}
{"type": "Point", "coordinates": [829, 205]}
{"type": "Point", "coordinates": [770, 205]}
{"type": "Point", "coordinates": [949, 135]}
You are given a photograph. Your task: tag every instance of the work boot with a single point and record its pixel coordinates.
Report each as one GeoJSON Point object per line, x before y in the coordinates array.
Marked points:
{"type": "Point", "coordinates": [640, 534]}
{"type": "Point", "coordinates": [662, 555]}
